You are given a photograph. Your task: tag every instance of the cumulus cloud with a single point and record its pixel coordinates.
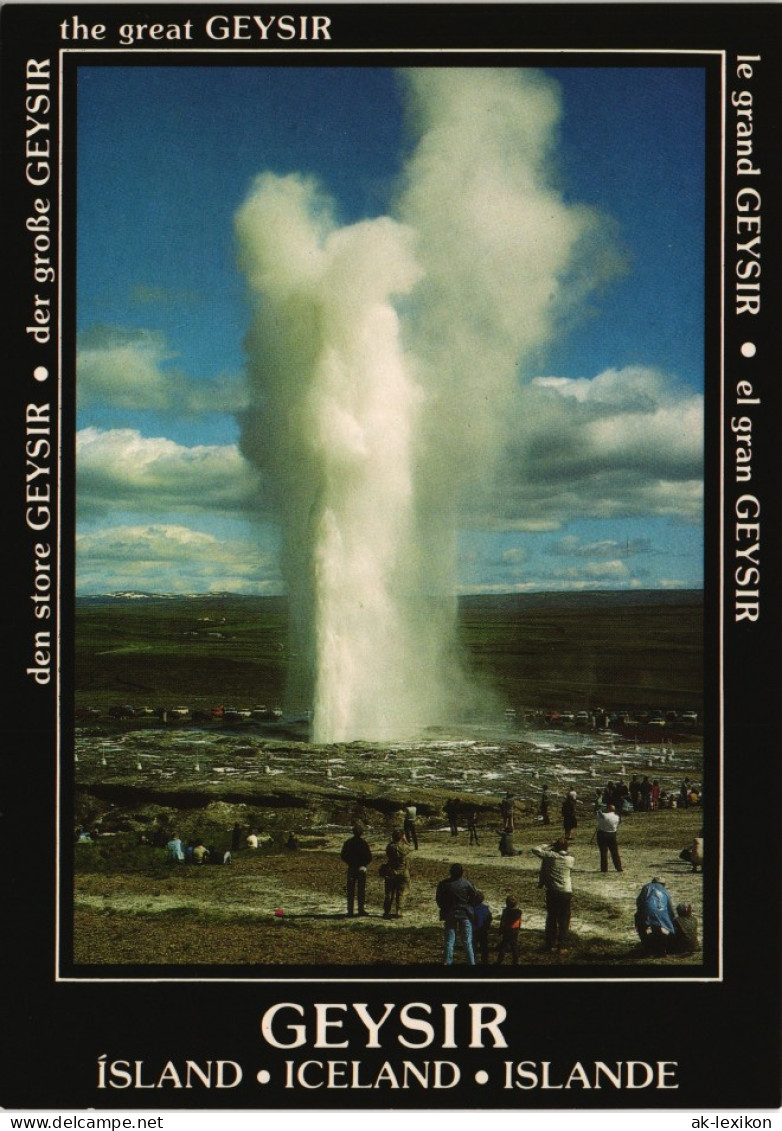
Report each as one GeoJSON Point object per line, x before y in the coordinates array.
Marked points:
{"type": "Point", "coordinates": [626, 443]}
{"type": "Point", "coordinates": [121, 469]}
{"type": "Point", "coordinates": [134, 370]}
{"type": "Point", "coordinates": [170, 558]}
{"type": "Point", "coordinates": [606, 549]}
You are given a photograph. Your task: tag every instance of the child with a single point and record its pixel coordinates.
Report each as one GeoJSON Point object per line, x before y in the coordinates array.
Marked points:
{"type": "Point", "coordinates": [481, 922]}
{"type": "Point", "coordinates": [510, 926]}
{"type": "Point", "coordinates": [472, 826]}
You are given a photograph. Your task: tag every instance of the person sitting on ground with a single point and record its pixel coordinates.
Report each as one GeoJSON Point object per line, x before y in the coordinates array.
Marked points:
{"type": "Point", "coordinates": [174, 851]}
{"type": "Point", "coordinates": [200, 852]}
{"type": "Point", "coordinates": [482, 920]}
{"type": "Point", "coordinates": [685, 934]}
{"type": "Point", "coordinates": [506, 845]}
{"type": "Point", "coordinates": [694, 854]}
{"type": "Point", "coordinates": [411, 832]}
{"type": "Point", "coordinates": [510, 928]}
{"type": "Point", "coordinates": [569, 814]}
{"type": "Point", "coordinates": [654, 916]}
{"type": "Point", "coordinates": [252, 840]}
{"type": "Point", "coordinates": [452, 813]}
{"type": "Point", "coordinates": [397, 876]}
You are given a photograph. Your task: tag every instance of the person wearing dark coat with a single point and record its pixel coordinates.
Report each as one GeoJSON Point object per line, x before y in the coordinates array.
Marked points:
{"type": "Point", "coordinates": [396, 873]}
{"type": "Point", "coordinates": [569, 815]}
{"type": "Point", "coordinates": [456, 898]}
{"type": "Point", "coordinates": [482, 920]}
{"type": "Point", "coordinates": [452, 813]}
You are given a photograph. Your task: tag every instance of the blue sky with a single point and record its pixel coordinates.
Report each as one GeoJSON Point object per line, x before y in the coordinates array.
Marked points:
{"type": "Point", "coordinates": [600, 488]}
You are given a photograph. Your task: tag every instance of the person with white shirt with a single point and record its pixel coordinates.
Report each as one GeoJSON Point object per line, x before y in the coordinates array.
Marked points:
{"type": "Point", "coordinates": [607, 829]}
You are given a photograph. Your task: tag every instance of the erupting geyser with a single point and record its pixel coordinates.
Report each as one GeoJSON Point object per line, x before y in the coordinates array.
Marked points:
{"type": "Point", "coordinates": [384, 367]}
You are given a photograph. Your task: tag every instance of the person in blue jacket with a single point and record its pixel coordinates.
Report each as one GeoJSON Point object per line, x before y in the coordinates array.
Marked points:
{"type": "Point", "coordinates": [654, 916]}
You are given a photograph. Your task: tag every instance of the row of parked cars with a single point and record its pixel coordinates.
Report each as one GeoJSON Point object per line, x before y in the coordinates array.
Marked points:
{"type": "Point", "coordinates": [607, 719]}
{"type": "Point", "coordinates": [182, 714]}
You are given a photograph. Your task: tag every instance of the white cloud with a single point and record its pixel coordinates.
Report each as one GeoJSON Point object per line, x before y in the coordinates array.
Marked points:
{"type": "Point", "coordinates": [131, 370]}
{"type": "Point", "coordinates": [627, 443]}
{"type": "Point", "coordinates": [171, 558]}
{"type": "Point", "coordinates": [514, 557]}
{"type": "Point", "coordinates": [121, 469]}
{"type": "Point", "coordinates": [606, 549]}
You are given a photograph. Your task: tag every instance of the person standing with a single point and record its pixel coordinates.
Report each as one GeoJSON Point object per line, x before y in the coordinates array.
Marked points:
{"type": "Point", "coordinates": [635, 792]}
{"type": "Point", "coordinates": [482, 920]}
{"type": "Point", "coordinates": [452, 813]}
{"type": "Point", "coordinates": [472, 826]}
{"type": "Point", "coordinates": [510, 928]}
{"type": "Point", "coordinates": [685, 935]}
{"type": "Point", "coordinates": [397, 875]}
{"type": "Point", "coordinates": [411, 833]}
{"type": "Point", "coordinates": [544, 806]}
{"type": "Point", "coordinates": [607, 829]}
{"type": "Point", "coordinates": [357, 854]}
{"type": "Point", "coordinates": [555, 877]}
{"type": "Point", "coordinates": [621, 795]}
{"type": "Point", "coordinates": [646, 795]}
{"type": "Point", "coordinates": [456, 898]}
{"type": "Point", "coordinates": [569, 814]}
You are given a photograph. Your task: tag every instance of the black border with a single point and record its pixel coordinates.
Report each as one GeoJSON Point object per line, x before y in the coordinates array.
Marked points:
{"type": "Point", "coordinates": [711, 65]}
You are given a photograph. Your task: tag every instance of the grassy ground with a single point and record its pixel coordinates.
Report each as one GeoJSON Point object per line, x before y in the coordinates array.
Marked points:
{"type": "Point", "coordinates": [563, 652]}
{"type": "Point", "coordinates": [571, 651]}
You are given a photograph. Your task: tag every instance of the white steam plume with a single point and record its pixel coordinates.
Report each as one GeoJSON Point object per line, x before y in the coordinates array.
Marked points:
{"type": "Point", "coordinates": [384, 360]}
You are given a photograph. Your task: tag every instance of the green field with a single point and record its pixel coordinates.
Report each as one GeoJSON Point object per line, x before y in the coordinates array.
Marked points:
{"type": "Point", "coordinates": [138, 782]}
{"type": "Point", "coordinates": [540, 651]}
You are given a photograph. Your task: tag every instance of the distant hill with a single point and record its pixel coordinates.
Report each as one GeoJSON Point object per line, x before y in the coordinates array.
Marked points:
{"type": "Point", "coordinates": [549, 599]}
{"type": "Point", "coordinates": [581, 600]}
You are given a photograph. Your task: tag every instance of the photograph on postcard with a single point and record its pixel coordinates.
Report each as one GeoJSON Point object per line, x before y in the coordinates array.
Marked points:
{"type": "Point", "coordinates": [389, 466]}
{"type": "Point", "coordinates": [394, 485]}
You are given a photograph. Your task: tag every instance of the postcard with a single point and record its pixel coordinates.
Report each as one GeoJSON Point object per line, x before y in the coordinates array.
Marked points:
{"type": "Point", "coordinates": [393, 495]}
